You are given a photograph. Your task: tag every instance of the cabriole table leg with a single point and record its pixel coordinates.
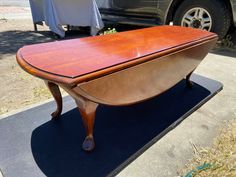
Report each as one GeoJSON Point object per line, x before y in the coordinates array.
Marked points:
{"type": "Point", "coordinates": [88, 112]}
{"type": "Point", "coordinates": [189, 83]}
{"type": "Point", "coordinates": [55, 91]}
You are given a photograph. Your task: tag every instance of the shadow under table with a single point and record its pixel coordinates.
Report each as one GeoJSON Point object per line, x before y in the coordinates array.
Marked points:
{"type": "Point", "coordinates": [34, 145]}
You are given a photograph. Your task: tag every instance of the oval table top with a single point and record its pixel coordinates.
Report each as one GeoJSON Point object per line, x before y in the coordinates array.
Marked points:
{"type": "Point", "coordinates": [77, 60]}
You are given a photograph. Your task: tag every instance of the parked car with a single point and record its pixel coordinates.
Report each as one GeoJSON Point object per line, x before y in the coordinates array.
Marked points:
{"type": "Point", "coordinates": [212, 15]}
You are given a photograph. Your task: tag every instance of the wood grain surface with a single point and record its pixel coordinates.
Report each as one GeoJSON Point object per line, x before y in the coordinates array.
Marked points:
{"type": "Point", "coordinates": [77, 60]}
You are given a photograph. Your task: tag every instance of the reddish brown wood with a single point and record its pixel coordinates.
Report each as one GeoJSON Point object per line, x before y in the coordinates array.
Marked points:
{"type": "Point", "coordinates": [117, 69]}
{"type": "Point", "coordinates": [145, 80]}
{"type": "Point", "coordinates": [87, 110]}
{"type": "Point", "coordinates": [55, 91]}
{"type": "Point", "coordinates": [78, 60]}
{"type": "Point", "coordinates": [88, 115]}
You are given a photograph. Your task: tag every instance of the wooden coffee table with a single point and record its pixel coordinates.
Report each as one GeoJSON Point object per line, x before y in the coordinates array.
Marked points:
{"type": "Point", "coordinates": [118, 69]}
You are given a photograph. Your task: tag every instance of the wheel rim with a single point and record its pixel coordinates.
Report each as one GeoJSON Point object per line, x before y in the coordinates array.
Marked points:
{"type": "Point", "coordinates": [197, 18]}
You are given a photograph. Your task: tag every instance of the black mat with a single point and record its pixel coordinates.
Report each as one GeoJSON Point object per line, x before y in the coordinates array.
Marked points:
{"type": "Point", "coordinates": [32, 145]}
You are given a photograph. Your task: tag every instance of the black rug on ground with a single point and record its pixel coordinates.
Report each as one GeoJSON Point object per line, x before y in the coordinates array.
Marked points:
{"type": "Point", "coordinates": [33, 145]}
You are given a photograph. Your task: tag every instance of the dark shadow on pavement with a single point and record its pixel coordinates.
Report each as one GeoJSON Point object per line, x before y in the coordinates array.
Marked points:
{"type": "Point", "coordinates": [120, 132]}
{"type": "Point", "coordinates": [228, 46]}
{"type": "Point", "coordinates": [229, 52]}
{"type": "Point", "coordinates": [11, 41]}
{"type": "Point", "coordinates": [123, 27]}
{"type": "Point", "coordinates": [33, 145]}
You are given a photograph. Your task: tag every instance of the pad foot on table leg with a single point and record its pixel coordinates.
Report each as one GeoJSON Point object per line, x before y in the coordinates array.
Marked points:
{"type": "Point", "coordinates": [88, 144]}
{"type": "Point", "coordinates": [189, 83]}
{"type": "Point", "coordinates": [55, 115]}
{"type": "Point", "coordinates": [87, 110]}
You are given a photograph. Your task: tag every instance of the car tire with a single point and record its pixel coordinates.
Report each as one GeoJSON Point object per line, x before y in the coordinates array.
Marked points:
{"type": "Point", "coordinates": [211, 15]}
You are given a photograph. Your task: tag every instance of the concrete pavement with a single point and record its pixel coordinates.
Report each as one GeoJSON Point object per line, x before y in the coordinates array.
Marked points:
{"type": "Point", "coordinates": [169, 154]}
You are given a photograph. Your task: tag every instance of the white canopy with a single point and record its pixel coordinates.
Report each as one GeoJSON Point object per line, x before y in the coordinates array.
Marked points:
{"type": "Point", "coordinates": [56, 13]}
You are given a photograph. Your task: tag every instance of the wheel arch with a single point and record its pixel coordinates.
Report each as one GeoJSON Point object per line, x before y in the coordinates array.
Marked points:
{"type": "Point", "coordinates": [170, 11]}
{"type": "Point", "coordinates": [174, 4]}
{"type": "Point", "coordinates": [232, 6]}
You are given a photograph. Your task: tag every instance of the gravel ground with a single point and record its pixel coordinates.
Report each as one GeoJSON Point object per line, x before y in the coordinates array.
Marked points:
{"type": "Point", "coordinates": [18, 88]}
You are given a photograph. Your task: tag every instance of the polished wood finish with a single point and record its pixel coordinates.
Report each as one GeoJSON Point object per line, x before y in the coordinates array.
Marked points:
{"type": "Point", "coordinates": [118, 69]}
{"type": "Point", "coordinates": [145, 80]}
{"type": "Point", "coordinates": [77, 60]}
{"type": "Point", "coordinates": [88, 115]}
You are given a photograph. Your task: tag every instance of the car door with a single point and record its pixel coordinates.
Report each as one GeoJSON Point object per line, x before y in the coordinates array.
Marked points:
{"type": "Point", "coordinates": [136, 6]}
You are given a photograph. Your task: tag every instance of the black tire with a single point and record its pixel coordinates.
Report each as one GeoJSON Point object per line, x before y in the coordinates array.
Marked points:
{"type": "Point", "coordinates": [218, 10]}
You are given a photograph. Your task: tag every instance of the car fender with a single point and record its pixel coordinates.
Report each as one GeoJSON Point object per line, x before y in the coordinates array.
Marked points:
{"type": "Point", "coordinates": [168, 7]}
